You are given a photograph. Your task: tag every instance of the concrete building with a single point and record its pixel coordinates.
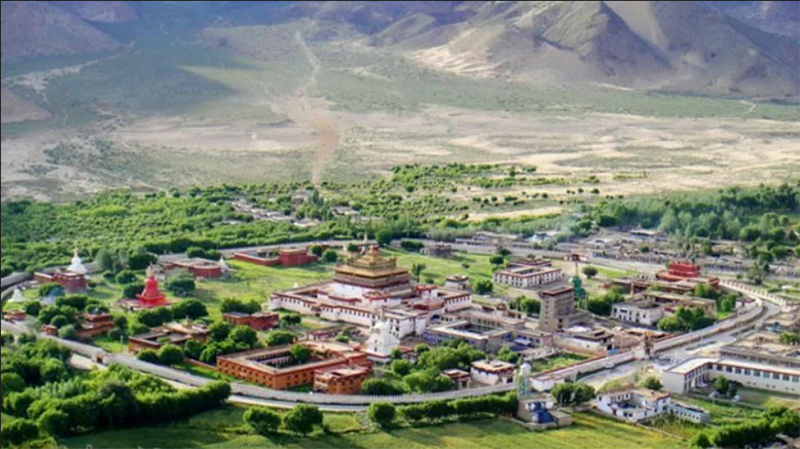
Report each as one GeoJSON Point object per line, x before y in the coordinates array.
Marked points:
{"type": "Point", "coordinates": [492, 372]}
{"type": "Point", "coordinates": [485, 331]}
{"type": "Point", "coordinates": [670, 302]}
{"type": "Point", "coordinates": [698, 371]}
{"type": "Point", "coordinates": [275, 368]}
{"type": "Point", "coordinates": [763, 347]}
{"type": "Point", "coordinates": [633, 404]}
{"type": "Point", "coordinates": [644, 312]}
{"type": "Point", "coordinates": [558, 309]}
{"type": "Point", "coordinates": [528, 276]}
{"type": "Point", "coordinates": [583, 339]}
{"type": "Point", "coordinates": [689, 413]}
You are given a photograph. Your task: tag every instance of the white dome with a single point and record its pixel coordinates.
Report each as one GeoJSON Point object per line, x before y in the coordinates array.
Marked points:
{"type": "Point", "coordinates": [77, 264]}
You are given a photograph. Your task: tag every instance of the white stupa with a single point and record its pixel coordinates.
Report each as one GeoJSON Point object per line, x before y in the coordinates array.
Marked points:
{"type": "Point", "coordinates": [17, 297]}
{"type": "Point", "coordinates": [223, 266]}
{"type": "Point", "coordinates": [76, 266]}
{"type": "Point", "coordinates": [381, 341]}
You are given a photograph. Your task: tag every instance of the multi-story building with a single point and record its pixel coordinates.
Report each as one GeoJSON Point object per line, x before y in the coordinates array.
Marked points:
{"type": "Point", "coordinates": [492, 372]}
{"type": "Point", "coordinates": [485, 331]}
{"type": "Point", "coordinates": [344, 380]}
{"type": "Point", "coordinates": [558, 309]}
{"type": "Point", "coordinates": [670, 302]}
{"type": "Point", "coordinates": [583, 339]}
{"type": "Point", "coordinates": [644, 312]}
{"type": "Point", "coordinates": [367, 284]}
{"type": "Point", "coordinates": [698, 371]}
{"type": "Point", "coordinates": [526, 276]}
{"type": "Point", "coordinates": [276, 368]}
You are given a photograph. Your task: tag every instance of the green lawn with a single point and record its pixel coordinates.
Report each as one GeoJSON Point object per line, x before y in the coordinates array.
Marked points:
{"type": "Point", "coordinates": [223, 429]}
{"type": "Point", "coordinates": [110, 344]}
{"type": "Point", "coordinates": [558, 361]}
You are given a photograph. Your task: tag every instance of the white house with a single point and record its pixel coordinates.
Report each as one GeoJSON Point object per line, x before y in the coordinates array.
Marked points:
{"type": "Point", "coordinates": [492, 372]}
{"type": "Point", "coordinates": [692, 372]}
{"type": "Point", "coordinates": [646, 313]}
{"type": "Point", "coordinates": [633, 404]}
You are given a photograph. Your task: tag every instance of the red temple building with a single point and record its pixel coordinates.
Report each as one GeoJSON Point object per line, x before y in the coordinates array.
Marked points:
{"type": "Point", "coordinates": [287, 257]}
{"type": "Point", "coordinates": [151, 296]}
{"type": "Point", "coordinates": [686, 271]}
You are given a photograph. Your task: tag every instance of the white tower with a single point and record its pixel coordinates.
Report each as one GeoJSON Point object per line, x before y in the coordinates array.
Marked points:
{"type": "Point", "coordinates": [77, 264]}
{"type": "Point", "coordinates": [381, 341]}
{"type": "Point", "coordinates": [17, 298]}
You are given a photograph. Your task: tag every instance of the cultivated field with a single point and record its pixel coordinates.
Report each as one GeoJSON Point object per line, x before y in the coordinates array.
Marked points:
{"type": "Point", "coordinates": [223, 429]}
{"type": "Point", "coordinates": [217, 108]}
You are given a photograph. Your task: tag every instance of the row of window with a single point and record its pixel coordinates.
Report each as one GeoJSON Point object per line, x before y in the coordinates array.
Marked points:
{"type": "Point", "coordinates": [756, 373]}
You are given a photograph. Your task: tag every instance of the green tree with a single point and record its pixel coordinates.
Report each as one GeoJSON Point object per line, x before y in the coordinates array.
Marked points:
{"type": "Point", "coordinates": [105, 260]}
{"type": "Point", "coordinates": [483, 287]}
{"type": "Point", "coordinates": [428, 381]}
{"type": "Point", "coordinates": [401, 367]}
{"type": "Point", "coordinates": [652, 383]}
{"type": "Point", "coordinates": [396, 354]}
{"type": "Point", "coordinates": [59, 321]}
{"type": "Point", "coordinates": [421, 348]}
{"type": "Point", "coordinates": [589, 271]}
{"type": "Point", "coordinates": [19, 431]}
{"type": "Point", "coordinates": [149, 356]}
{"type": "Point", "coordinates": [507, 355]}
{"type": "Point", "coordinates": [170, 355]}
{"type": "Point", "coordinates": [125, 277]}
{"type": "Point", "coordinates": [220, 330]}
{"type": "Point", "coordinates": [244, 335]}
{"type": "Point", "coordinates": [381, 413]}
{"type": "Point", "coordinates": [302, 419]}
{"type": "Point", "coordinates": [700, 440]}
{"type": "Point", "coordinates": [11, 383]}
{"type": "Point", "coordinates": [300, 353]}
{"type": "Point", "coordinates": [262, 420]}
{"type": "Point", "coordinates": [317, 250]}
{"type": "Point", "coordinates": [381, 387]}
{"type": "Point", "coordinates": [790, 338]}
{"type": "Point", "coordinates": [279, 338]}
{"type": "Point", "coordinates": [182, 284]}
{"type": "Point", "coordinates": [54, 423]}
{"type": "Point", "coordinates": [68, 333]}
{"type": "Point", "coordinates": [722, 385]}
{"type": "Point", "coordinates": [290, 319]}
{"type": "Point", "coordinates": [497, 260]}
{"type": "Point", "coordinates": [417, 269]}
{"type": "Point", "coordinates": [352, 248]}
{"type": "Point", "coordinates": [384, 237]}
{"type": "Point", "coordinates": [189, 308]}
{"type": "Point", "coordinates": [129, 291]}
{"type": "Point", "coordinates": [331, 256]}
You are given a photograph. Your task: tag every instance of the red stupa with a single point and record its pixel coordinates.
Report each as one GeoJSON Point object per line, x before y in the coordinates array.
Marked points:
{"type": "Point", "coordinates": [151, 296]}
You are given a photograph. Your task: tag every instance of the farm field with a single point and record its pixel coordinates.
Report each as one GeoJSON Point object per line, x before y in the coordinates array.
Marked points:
{"type": "Point", "coordinates": [223, 429]}
{"type": "Point", "coordinates": [244, 113]}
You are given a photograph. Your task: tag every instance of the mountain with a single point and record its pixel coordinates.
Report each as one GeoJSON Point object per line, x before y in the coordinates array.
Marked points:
{"type": "Point", "coordinates": [100, 11]}
{"type": "Point", "coordinates": [682, 46]}
{"type": "Point", "coordinates": [15, 109]}
{"type": "Point", "coordinates": [781, 17]}
{"type": "Point", "coordinates": [36, 28]}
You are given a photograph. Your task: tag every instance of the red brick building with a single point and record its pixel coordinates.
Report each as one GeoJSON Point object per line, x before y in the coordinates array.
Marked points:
{"type": "Point", "coordinates": [275, 368]}
{"type": "Point", "coordinates": [69, 281]}
{"type": "Point", "coordinates": [287, 257]}
{"type": "Point", "coordinates": [176, 334]}
{"type": "Point", "coordinates": [198, 267]}
{"type": "Point", "coordinates": [258, 321]}
{"type": "Point", "coordinates": [346, 380]}
{"type": "Point", "coordinates": [14, 315]}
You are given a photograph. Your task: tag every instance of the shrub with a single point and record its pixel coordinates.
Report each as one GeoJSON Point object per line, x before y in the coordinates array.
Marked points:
{"type": "Point", "coordinates": [483, 287]}
{"type": "Point", "coordinates": [149, 356]}
{"type": "Point", "coordinates": [11, 383]}
{"type": "Point", "coordinates": [32, 308]}
{"type": "Point", "coordinates": [300, 353]}
{"type": "Point", "coordinates": [59, 321]}
{"type": "Point", "coordinates": [381, 387]}
{"type": "Point", "coordinates": [170, 355]}
{"type": "Point", "coordinates": [54, 423]}
{"type": "Point", "coordinates": [381, 413]}
{"type": "Point", "coordinates": [220, 330]}
{"type": "Point", "coordinates": [19, 431]}
{"type": "Point", "coordinates": [331, 256]}
{"type": "Point", "coordinates": [129, 291]}
{"type": "Point", "coordinates": [401, 367]}
{"type": "Point", "coordinates": [280, 338]}
{"type": "Point", "coordinates": [262, 420]}
{"type": "Point", "coordinates": [302, 419]}
{"type": "Point", "coordinates": [652, 383]}
{"type": "Point", "coordinates": [125, 277]}
{"type": "Point", "coordinates": [76, 301]}
{"type": "Point", "coordinates": [68, 333]}
{"type": "Point", "coordinates": [190, 308]}
{"type": "Point", "coordinates": [244, 335]}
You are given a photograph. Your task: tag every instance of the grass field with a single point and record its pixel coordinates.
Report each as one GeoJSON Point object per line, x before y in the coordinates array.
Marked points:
{"type": "Point", "coordinates": [563, 359]}
{"type": "Point", "coordinates": [223, 429]}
